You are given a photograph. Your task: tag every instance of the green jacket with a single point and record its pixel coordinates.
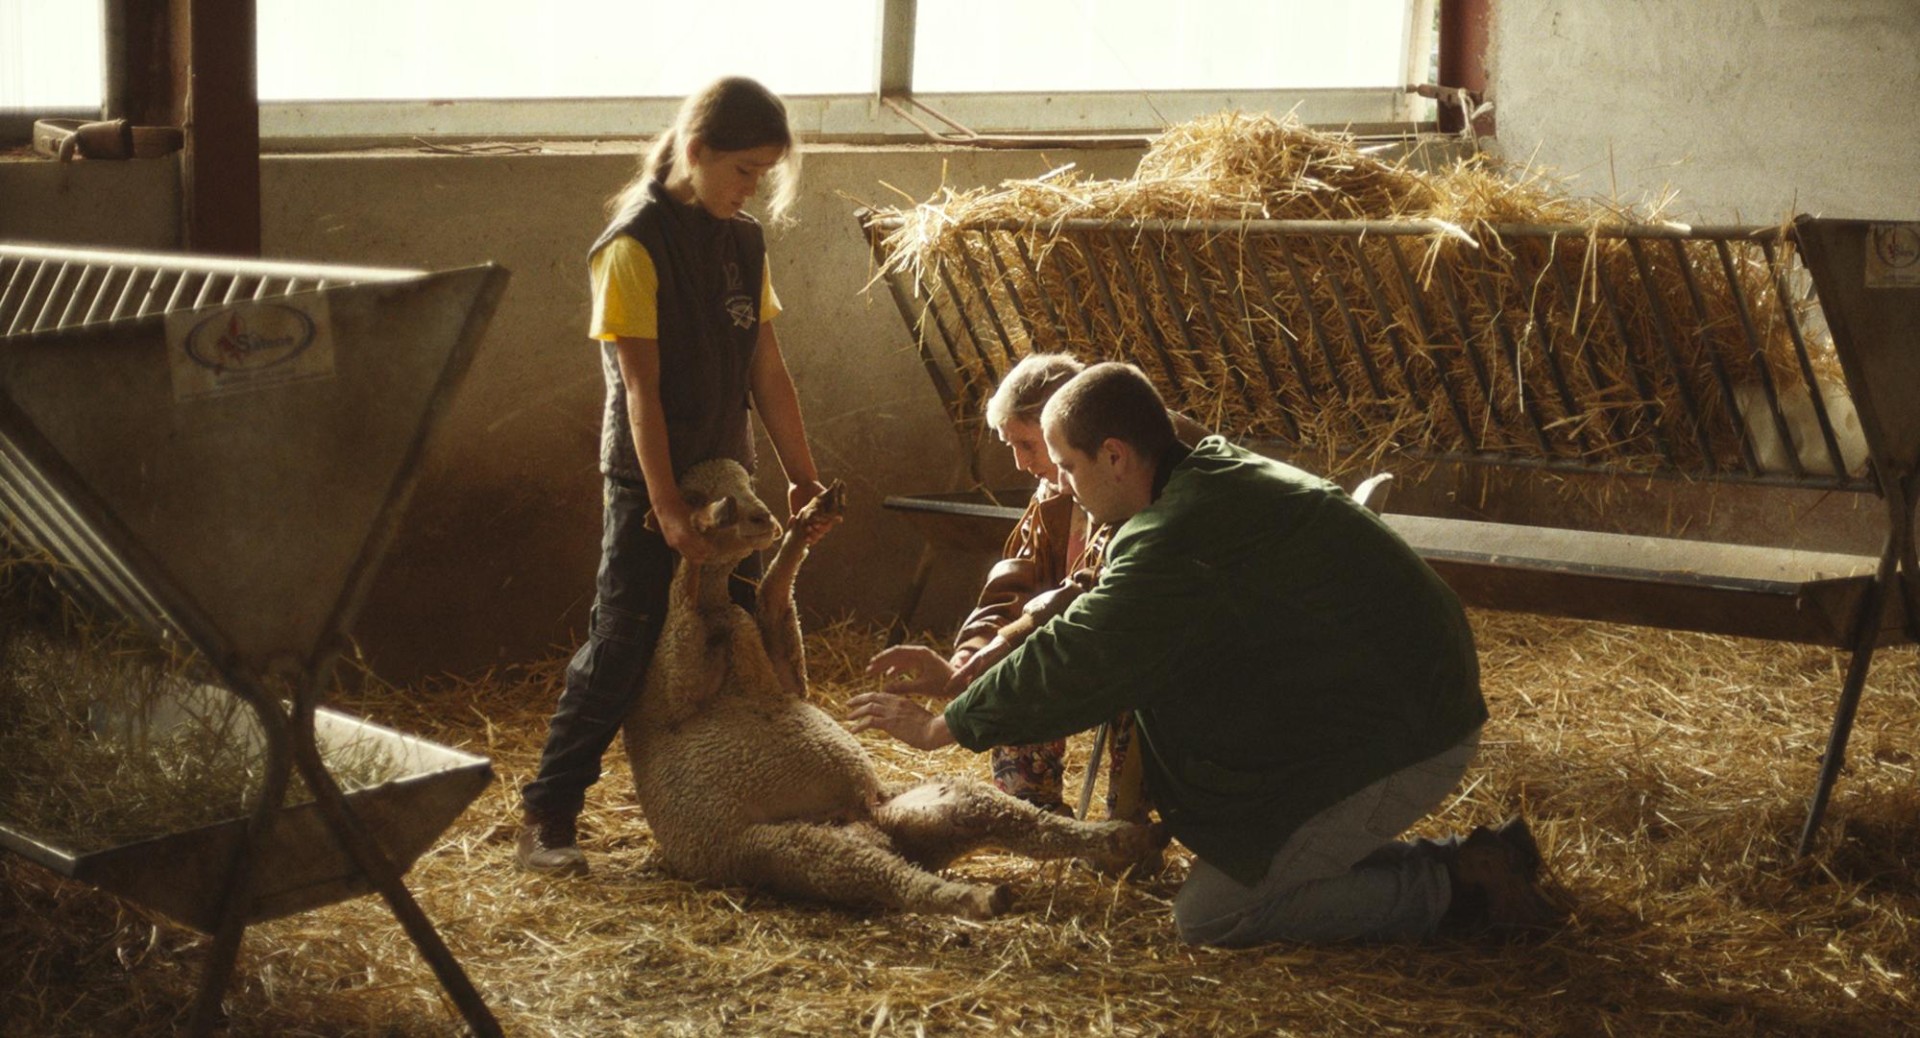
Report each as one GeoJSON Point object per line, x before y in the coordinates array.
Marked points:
{"type": "Point", "coordinates": [1280, 647]}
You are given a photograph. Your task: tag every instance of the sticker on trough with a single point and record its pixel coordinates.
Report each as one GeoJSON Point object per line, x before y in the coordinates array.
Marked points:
{"type": "Point", "coordinates": [1893, 255]}
{"type": "Point", "coordinates": [249, 346]}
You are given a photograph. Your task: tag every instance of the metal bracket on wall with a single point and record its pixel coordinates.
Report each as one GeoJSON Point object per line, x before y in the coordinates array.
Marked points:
{"type": "Point", "coordinates": [905, 106]}
{"type": "Point", "coordinates": [66, 139]}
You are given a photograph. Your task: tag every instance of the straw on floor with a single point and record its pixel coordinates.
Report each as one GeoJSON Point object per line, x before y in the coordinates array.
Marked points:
{"type": "Point", "coordinates": [1665, 773]}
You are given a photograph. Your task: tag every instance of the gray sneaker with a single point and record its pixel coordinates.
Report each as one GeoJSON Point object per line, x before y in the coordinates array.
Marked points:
{"type": "Point", "coordinates": [549, 844]}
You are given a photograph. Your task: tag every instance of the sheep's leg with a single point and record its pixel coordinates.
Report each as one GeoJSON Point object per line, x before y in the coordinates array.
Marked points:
{"type": "Point", "coordinates": [779, 620]}
{"type": "Point", "coordinates": [853, 865]}
{"type": "Point", "coordinates": [691, 658]}
{"type": "Point", "coordinates": [934, 823]}
{"type": "Point", "coordinates": [779, 624]}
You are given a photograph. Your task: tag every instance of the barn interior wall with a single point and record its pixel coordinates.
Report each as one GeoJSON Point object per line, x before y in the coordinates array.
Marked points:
{"type": "Point", "coordinates": [1745, 110]}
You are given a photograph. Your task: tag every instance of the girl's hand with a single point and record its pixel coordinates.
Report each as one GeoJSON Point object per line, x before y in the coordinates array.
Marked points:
{"type": "Point", "coordinates": [801, 492]}
{"type": "Point", "coordinates": [913, 670]}
{"type": "Point", "coordinates": [820, 520]}
{"type": "Point", "coordinates": [676, 528]}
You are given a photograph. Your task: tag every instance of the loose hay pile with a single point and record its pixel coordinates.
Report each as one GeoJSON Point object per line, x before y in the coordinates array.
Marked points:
{"type": "Point", "coordinates": [110, 737]}
{"type": "Point", "coordinates": [1666, 774]}
{"type": "Point", "coordinates": [107, 742]}
{"type": "Point", "coordinates": [1352, 342]}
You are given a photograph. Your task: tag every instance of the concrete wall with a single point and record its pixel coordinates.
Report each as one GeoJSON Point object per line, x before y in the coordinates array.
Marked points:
{"type": "Point", "coordinates": [495, 561]}
{"type": "Point", "coordinates": [1748, 109]}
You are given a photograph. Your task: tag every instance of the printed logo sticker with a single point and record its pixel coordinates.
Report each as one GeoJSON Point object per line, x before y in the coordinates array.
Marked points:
{"type": "Point", "coordinates": [1893, 255]}
{"type": "Point", "coordinates": [740, 310]}
{"type": "Point", "coordinates": [249, 346]}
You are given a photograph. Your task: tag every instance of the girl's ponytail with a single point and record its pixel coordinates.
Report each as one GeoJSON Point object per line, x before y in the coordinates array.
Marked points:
{"type": "Point", "coordinates": [731, 114]}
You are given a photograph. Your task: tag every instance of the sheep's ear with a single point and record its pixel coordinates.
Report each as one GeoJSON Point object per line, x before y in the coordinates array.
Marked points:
{"type": "Point", "coordinates": [710, 517]}
{"type": "Point", "coordinates": [694, 500]}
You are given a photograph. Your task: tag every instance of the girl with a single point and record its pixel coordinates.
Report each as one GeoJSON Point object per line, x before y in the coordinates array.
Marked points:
{"type": "Point", "coordinates": [682, 308]}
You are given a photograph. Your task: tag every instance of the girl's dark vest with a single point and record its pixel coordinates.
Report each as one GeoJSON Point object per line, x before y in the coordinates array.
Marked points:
{"type": "Point", "coordinates": [710, 273]}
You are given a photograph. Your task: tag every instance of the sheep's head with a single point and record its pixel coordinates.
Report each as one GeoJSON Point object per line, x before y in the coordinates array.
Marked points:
{"type": "Point", "coordinates": [725, 510]}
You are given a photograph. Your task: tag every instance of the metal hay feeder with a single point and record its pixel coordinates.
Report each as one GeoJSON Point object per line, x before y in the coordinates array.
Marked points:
{"type": "Point", "coordinates": [1704, 344]}
{"type": "Point", "coordinates": [219, 451]}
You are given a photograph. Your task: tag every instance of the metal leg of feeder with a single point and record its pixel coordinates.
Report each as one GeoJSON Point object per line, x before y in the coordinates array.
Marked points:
{"type": "Point", "coordinates": [1864, 639]}
{"type": "Point", "coordinates": [373, 863]}
{"type": "Point", "coordinates": [1896, 563]}
{"type": "Point", "coordinates": [1842, 727]}
{"type": "Point", "coordinates": [225, 951]}
{"type": "Point", "coordinates": [1093, 772]}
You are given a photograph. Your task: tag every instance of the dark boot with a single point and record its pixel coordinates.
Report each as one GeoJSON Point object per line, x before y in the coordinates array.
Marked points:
{"type": "Point", "coordinates": [1494, 877]}
{"type": "Point", "coordinates": [1518, 839]}
{"type": "Point", "coordinates": [549, 844]}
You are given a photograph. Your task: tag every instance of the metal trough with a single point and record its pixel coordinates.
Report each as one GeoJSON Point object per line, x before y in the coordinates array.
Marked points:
{"type": "Point", "coordinates": [300, 864]}
{"type": "Point", "coordinates": [219, 451]}
{"type": "Point", "coordinates": [1777, 358]}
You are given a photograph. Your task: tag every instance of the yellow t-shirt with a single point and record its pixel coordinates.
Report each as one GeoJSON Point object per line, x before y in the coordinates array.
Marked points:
{"type": "Point", "coordinates": [626, 292]}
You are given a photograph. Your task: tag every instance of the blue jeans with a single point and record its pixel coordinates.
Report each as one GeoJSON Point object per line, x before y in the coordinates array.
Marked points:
{"type": "Point", "coordinates": [605, 676]}
{"type": "Point", "coordinates": [1341, 876]}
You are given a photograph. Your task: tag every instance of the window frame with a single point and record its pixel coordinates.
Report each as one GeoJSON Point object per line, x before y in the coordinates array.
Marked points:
{"type": "Point", "coordinates": [891, 112]}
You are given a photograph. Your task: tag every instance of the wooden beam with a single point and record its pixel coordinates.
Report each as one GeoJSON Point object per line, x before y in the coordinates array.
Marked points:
{"type": "Point", "coordinates": [213, 55]}
{"type": "Point", "coordinates": [897, 21]}
{"type": "Point", "coordinates": [1465, 29]}
{"type": "Point", "coordinates": [140, 84]}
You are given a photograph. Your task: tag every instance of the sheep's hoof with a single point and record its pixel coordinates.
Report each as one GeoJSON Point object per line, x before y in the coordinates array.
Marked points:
{"type": "Point", "coordinates": [1127, 846]}
{"type": "Point", "coordinates": [984, 902]}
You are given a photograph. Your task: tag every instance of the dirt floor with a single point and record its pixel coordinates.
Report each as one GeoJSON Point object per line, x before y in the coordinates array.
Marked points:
{"type": "Point", "coordinates": [1665, 774]}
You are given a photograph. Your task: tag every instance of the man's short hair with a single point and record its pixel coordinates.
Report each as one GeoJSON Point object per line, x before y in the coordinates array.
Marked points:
{"type": "Point", "coordinates": [1028, 387]}
{"type": "Point", "coordinates": [1111, 401]}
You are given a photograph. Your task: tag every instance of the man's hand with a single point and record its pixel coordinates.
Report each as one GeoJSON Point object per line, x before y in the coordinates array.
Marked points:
{"type": "Point", "coordinates": [901, 718]}
{"type": "Point", "coordinates": [913, 670]}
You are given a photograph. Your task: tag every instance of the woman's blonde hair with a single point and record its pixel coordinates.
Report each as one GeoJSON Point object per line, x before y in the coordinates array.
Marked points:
{"type": "Point", "coordinates": [733, 113]}
{"type": "Point", "coordinates": [1028, 386]}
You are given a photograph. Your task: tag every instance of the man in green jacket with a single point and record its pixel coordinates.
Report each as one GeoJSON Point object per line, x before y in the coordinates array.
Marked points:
{"type": "Point", "coordinates": [1305, 687]}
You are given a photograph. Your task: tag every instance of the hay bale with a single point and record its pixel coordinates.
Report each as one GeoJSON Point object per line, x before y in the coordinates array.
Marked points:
{"type": "Point", "coordinates": [1458, 341]}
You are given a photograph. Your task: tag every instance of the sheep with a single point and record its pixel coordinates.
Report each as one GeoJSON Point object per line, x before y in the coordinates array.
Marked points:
{"type": "Point", "coordinates": [744, 782]}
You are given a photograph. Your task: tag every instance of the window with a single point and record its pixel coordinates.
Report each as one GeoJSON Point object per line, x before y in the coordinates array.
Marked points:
{"type": "Point", "coordinates": [50, 56]}
{"type": "Point", "coordinates": [1069, 45]}
{"type": "Point", "coordinates": [470, 49]}
{"type": "Point", "coordinates": [376, 69]}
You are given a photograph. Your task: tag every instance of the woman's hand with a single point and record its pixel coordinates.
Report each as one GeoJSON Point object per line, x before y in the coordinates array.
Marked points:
{"type": "Point", "coordinates": [974, 665]}
{"type": "Point", "coordinates": [913, 670]}
{"type": "Point", "coordinates": [901, 718]}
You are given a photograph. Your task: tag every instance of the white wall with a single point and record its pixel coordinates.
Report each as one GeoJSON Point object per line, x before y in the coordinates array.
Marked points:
{"type": "Point", "coordinates": [1750, 110]}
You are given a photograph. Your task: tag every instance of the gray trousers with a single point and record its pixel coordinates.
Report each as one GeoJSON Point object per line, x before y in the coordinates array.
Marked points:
{"type": "Point", "coordinates": [1341, 876]}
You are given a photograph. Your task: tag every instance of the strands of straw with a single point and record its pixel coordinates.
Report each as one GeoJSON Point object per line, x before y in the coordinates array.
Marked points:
{"type": "Point", "coordinates": [106, 743]}
{"type": "Point", "coordinates": [1665, 773]}
{"type": "Point", "coordinates": [1457, 341]}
